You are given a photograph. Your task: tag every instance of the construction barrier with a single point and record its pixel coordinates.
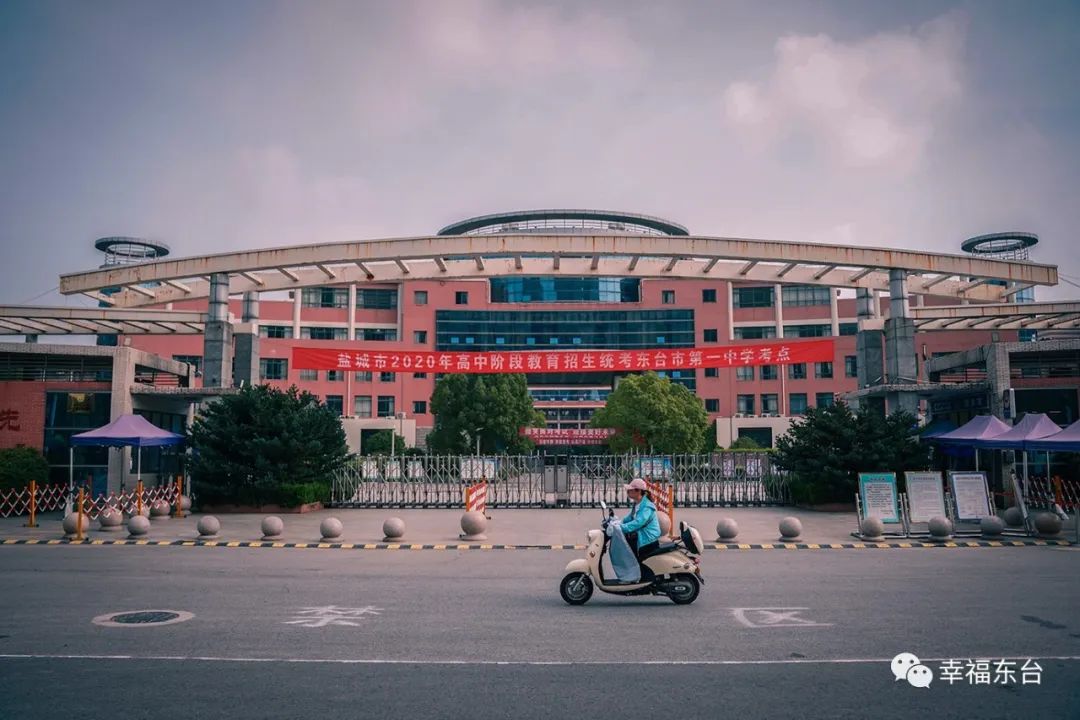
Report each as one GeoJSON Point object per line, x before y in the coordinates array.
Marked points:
{"type": "Point", "coordinates": [476, 497]}
{"type": "Point", "coordinates": [663, 496]}
{"type": "Point", "coordinates": [53, 498]}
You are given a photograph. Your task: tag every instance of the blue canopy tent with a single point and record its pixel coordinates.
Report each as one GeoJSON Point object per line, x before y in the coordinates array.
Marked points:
{"type": "Point", "coordinates": [981, 427]}
{"type": "Point", "coordinates": [1032, 427]}
{"type": "Point", "coordinates": [125, 431]}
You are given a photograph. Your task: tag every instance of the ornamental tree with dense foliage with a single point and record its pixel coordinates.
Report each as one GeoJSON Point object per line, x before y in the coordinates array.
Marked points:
{"type": "Point", "coordinates": [491, 407]}
{"type": "Point", "coordinates": [653, 414]}
{"type": "Point", "coordinates": [265, 445]}
{"type": "Point", "coordinates": [19, 465]}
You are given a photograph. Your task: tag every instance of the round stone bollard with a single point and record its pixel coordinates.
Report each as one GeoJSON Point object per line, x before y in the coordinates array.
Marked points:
{"type": "Point", "coordinates": [272, 527]}
{"type": "Point", "coordinates": [138, 526]}
{"type": "Point", "coordinates": [726, 529]}
{"type": "Point", "coordinates": [185, 503]}
{"type": "Point", "coordinates": [160, 510]}
{"type": "Point", "coordinates": [70, 524]}
{"type": "Point", "coordinates": [665, 524]}
{"type": "Point", "coordinates": [331, 528]}
{"type": "Point", "coordinates": [473, 525]}
{"type": "Point", "coordinates": [393, 529]}
{"type": "Point", "coordinates": [991, 526]}
{"type": "Point", "coordinates": [790, 529]}
{"type": "Point", "coordinates": [872, 529]}
{"type": "Point", "coordinates": [1047, 524]}
{"type": "Point", "coordinates": [940, 528]}
{"type": "Point", "coordinates": [111, 520]}
{"type": "Point", "coordinates": [208, 526]}
{"type": "Point", "coordinates": [1013, 517]}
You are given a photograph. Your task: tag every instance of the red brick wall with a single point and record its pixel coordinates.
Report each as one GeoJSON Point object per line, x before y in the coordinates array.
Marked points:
{"type": "Point", "coordinates": [22, 410]}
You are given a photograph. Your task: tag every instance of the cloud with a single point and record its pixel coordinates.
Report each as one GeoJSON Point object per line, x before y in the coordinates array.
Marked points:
{"type": "Point", "coordinates": [870, 102]}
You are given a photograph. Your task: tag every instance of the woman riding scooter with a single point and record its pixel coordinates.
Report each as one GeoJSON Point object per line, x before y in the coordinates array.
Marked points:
{"type": "Point", "coordinates": [642, 519]}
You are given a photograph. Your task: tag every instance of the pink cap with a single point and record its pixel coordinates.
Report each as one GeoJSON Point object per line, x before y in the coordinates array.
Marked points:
{"type": "Point", "coordinates": [637, 484]}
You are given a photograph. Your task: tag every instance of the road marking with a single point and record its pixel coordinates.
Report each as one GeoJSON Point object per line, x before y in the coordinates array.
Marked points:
{"type": "Point", "coordinates": [770, 617]}
{"type": "Point", "coordinates": [321, 616]}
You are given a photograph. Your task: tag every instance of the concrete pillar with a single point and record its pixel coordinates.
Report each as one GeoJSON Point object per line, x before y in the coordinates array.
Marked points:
{"type": "Point", "coordinates": [297, 297]}
{"type": "Point", "coordinates": [868, 341]}
{"type": "Point", "coordinates": [834, 312]}
{"type": "Point", "coordinates": [247, 342]}
{"type": "Point", "coordinates": [778, 300]}
{"type": "Point", "coordinates": [997, 376]}
{"type": "Point", "coordinates": [120, 403]}
{"type": "Point", "coordinates": [217, 341]}
{"type": "Point", "coordinates": [352, 311]}
{"type": "Point", "coordinates": [730, 313]}
{"type": "Point", "coordinates": [900, 364]}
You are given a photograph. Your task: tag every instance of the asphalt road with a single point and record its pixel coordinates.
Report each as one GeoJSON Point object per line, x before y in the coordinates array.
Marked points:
{"type": "Point", "coordinates": [474, 634]}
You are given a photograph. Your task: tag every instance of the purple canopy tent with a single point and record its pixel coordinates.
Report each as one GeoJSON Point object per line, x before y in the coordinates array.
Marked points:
{"type": "Point", "coordinates": [981, 427]}
{"type": "Point", "coordinates": [125, 431]}
{"type": "Point", "coordinates": [1067, 440]}
{"type": "Point", "coordinates": [1033, 426]}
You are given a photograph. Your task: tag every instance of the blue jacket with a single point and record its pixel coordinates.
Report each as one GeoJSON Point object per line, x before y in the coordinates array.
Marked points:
{"type": "Point", "coordinates": [642, 518]}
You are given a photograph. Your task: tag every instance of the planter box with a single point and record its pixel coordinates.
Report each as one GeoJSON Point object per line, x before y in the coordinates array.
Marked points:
{"type": "Point", "coordinates": [259, 509]}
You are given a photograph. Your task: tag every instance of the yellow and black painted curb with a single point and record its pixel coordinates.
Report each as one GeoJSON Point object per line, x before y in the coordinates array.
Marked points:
{"type": "Point", "coordinates": [473, 546]}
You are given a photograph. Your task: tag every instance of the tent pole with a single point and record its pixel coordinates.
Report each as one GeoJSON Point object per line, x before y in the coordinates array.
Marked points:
{"type": "Point", "coordinates": [71, 477]}
{"type": "Point", "coordinates": [138, 463]}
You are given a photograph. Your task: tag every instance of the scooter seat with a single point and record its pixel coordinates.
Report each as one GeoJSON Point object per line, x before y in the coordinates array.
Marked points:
{"type": "Point", "coordinates": [660, 550]}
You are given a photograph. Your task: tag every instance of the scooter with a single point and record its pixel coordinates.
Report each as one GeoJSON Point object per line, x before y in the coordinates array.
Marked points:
{"type": "Point", "coordinates": [672, 569]}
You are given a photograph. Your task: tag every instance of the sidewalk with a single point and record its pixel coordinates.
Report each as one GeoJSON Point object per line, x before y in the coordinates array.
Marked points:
{"type": "Point", "coordinates": [534, 527]}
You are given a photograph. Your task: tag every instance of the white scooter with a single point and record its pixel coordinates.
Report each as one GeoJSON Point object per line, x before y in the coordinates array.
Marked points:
{"type": "Point", "coordinates": [672, 569]}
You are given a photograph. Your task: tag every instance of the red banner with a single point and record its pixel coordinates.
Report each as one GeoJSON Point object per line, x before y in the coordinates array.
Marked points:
{"type": "Point", "coordinates": [560, 361]}
{"type": "Point", "coordinates": [567, 436]}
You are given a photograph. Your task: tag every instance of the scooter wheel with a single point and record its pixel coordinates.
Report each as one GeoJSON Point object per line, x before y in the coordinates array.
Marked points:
{"type": "Point", "coordinates": [576, 588]}
{"type": "Point", "coordinates": [689, 587]}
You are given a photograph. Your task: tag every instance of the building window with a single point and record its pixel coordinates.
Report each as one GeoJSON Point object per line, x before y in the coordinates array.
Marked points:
{"type": "Point", "coordinates": [335, 403]}
{"type": "Point", "coordinates": [755, 332]}
{"type": "Point", "coordinates": [797, 403]}
{"type": "Point", "coordinates": [362, 406]}
{"type": "Point", "coordinates": [770, 404]}
{"type": "Point", "coordinates": [805, 295]}
{"type": "Point", "coordinates": [709, 335]}
{"type": "Point", "coordinates": [419, 376]}
{"type": "Point", "coordinates": [708, 295]}
{"type": "Point", "coordinates": [377, 299]}
{"type": "Point", "coordinates": [712, 405]}
{"type": "Point", "coordinates": [278, 332]}
{"type": "Point", "coordinates": [768, 372]}
{"type": "Point", "coordinates": [565, 290]}
{"type": "Point", "coordinates": [712, 372]}
{"type": "Point", "coordinates": [419, 407]}
{"type": "Point", "coordinates": [335, 375]}
{"type": "Point", "coordinates": [753, 297]}
{"type": "Point", "coordinates": [387, 376]}
{"type": "Point", "coordinates": [745, 404]}
{"type": "Point", "coordinates": [377, 334]}
{"type": "Point", "coordinates": [362, 376]}
{"type": "Point", "coordinates": [744, 372]}
{"type": "Point", "coordinates": [309, 375]}
{"type": "Point", "coordinates": [195, 361]}
{"type": "Point", "coordinates": [849, 328]}
{"type": "Point", "coordinates": [324, 333]}
{"type": "Point", "coordinates": [824, 400]}
{"type": "Point", "coordinates": [797, 371]}
{"type": "Point", "coordinates": [461, 297]}
{"type": "Point", "coordinates": [419, 297]}
{"type": "Point", "coordinates": [805, 331]}
{"type": "Point", "coordinates": [823, 370]}
{"type": "Point", "coordinates": [419, 337]}
{"type": "Point", "coordinates": [273, 368]}
{"type": "Point", "coordinates": [322, 297]}
{"type": "Point", "coordinates": [386, 406]}
{"type": "Point", "coordinates": [667, 297]}
{"type": "Point", "coordinates": [851, 366]}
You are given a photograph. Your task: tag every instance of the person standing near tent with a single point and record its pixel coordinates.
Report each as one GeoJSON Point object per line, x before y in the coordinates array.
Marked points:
{"type": "Point", "coordinates": [642, 521]}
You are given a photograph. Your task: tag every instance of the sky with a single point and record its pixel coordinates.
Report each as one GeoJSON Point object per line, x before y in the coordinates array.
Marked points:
{"type": "Point", "coordinates": [217, 126]}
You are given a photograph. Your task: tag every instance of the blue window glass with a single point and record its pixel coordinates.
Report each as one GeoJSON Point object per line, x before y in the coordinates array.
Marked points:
{"type": "Point", "coordinates": [565, 290]}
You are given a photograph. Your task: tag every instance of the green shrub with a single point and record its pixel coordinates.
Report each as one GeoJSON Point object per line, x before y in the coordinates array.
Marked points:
{"type": "Point", "coordinates": [19, 465]}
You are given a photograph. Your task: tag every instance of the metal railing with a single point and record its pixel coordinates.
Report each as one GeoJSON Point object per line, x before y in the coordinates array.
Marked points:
{"type": "Point", "coordinates": [50, 498]}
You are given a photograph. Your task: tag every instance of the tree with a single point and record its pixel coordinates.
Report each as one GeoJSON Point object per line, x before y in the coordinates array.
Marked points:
{"type": "Point", "coordinates": [745, 442]}
{"type": "Point", "coordinates": [493, 407]}
{"type": "Point", "coordinates": [654, 414]}
{"type": "Point", "coordinates": [827, 449]}
{"type": "Point", "coordinates": [379, 443]}
{"type": "Point", "coordinates": [263, 443]}
{"type": "Point", "coordinates": [19, 465]}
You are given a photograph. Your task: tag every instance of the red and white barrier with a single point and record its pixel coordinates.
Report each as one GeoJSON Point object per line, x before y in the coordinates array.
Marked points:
{"type": "Point", "coordinates": [476, 498]}
{"type": "Point", "coordinates": [663, 496]}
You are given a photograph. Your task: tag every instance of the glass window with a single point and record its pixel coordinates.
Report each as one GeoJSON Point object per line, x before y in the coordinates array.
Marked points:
{"type": "Point", "coordinates": [849, 328]}
{"type": "Point", "coordinates": [419, 337]}
{"type": "Point", "coordinates": [362, 406]}
{"type": "Point", "coordinates": [324, 297]}
{"type": "Point", "coordinates": [851, 366]}
{"type": "Point", "coordinates": [768, 372]}
{"type": "Point", "coordinates": [377, 334]}
{"type": "Point", "coordinates": [461, 297]}
{"type": "Point", "coordinates": [419, 376]}
{"type": "Point", "coordinates": [823, 370]}
{"type": "Point", "coordinates": [753, 297]}
{"type": "Point", "coordinates": [667, 297]}
{"type": "Point", "coordinates": [755, 332]}
{"type": "Point", "coordinates": [386, 406]}
{"type": "Point", "coordinates": [708, 295]}
{"type": "Point", "coordinates": [712, 405]}
{"type": "Point", "coordinates": [195, 361]}
{"type": "Point", "coordinates": [362, 376]}
{"type": "Point", "coordinates": [770, 404]}
{"type": "Point", "coordinates": [335, 375]}
{"type": "Point", "coordinates": [712, 372]}
{"type": "Point", "coordinates": [804, 295]}
{"type": "Point", "coordinates": [419, 297]}
{"type": "Point", "coordinates": [805, 331]}
{"type": "Point", "coordinates": [419, 407]}
{"type": "Point", "coordinates": [565, 289]}
{"type": "Point", "coordinates": [824, 400]}
{"type": "Point", "coordinates": [275, 331]}
{"type": "Point", "coordinates": [745, 404]}
{"type": "Point", "coordinates": [324, 333]}
{"type": "Point", "coordinates": [273, 368]}
{"type": "Point", "coordinates": [744, 372]}
{"type": "Point", "coordinates": [335, 403]}
{"type": "Point", "coordinates": [797, 403]}
{"type": "Point", "coordinates": [309, 375]}
{"type": "Point", "coordinates": [797, 371]}
{"type": "Point", "coordinates": [387, 377]}
{"type": "Point", "coordinates": [377, 299]}
{"type": "Point", "coordinates": [709, 334]}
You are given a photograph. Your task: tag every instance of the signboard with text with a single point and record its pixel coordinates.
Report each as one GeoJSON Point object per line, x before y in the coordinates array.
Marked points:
{"type": "Point", "coordinates": [971, 497]}
{"type": "Point", "coordinates": [567, 436]}
{"type": "Point", "coordinates": [925, 496]}
{"type": "Point", "coordinates": [878, 494]}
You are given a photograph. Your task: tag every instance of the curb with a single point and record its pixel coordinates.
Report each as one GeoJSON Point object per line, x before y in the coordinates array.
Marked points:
{"type": "Point", "coordinates": [456, 546]}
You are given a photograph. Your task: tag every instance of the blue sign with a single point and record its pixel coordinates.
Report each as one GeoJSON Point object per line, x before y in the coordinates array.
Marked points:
{"type": "Point", "coordinates": [879, 498]}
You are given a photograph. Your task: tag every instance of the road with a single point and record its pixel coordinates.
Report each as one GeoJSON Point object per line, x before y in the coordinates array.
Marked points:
{"type": "Point", "coordinates": [484, 634]}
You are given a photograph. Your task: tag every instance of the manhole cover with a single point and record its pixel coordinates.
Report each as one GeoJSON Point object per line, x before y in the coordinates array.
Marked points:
{"type": "Point", "coordinates": [142, 618]}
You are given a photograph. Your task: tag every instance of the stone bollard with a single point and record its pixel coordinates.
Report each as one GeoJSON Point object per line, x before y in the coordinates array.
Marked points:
{"type": "Point", "coordinates": [872, 529]}
{"type": "Point", "coordinates": [991, 526]}
{"type": "Point", "coordinates": [1047, 524]}
{"type": "Point", "coordinates": [473, 524]}
{"type": "Point", "coordinates": [940, 529]}
{"type": "Point", "coordinates": [70, 524]}
{"type": "Point", "coordinates": [790, 529]}
{"type": "Point", "coordinates": [138, 526]}
{"type": "Point", "coordinates": [665, 524]}
{"type": "Point", "coordinates": [331, 528]}
{"type": "Point", "coordinates": [726, 529]}
{"type": "Point", "coordinates": [272, 527]}
{"type": "Point", "coordinates": [185, 503]}
{"type": "Point", "coordinates": [160, 510]}
{"type": "Point", "coordinates": [1013, 517]}
{"type": "Point", "coordinates": [208, 527]}
{"type": "Point", "coordinates": [393, 529]}
{"type": "Point", "coordinates": [111, 520]}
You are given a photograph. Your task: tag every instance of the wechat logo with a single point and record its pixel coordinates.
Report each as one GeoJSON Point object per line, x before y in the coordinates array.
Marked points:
{"type": "Point", "coordinates": [906, 666]}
